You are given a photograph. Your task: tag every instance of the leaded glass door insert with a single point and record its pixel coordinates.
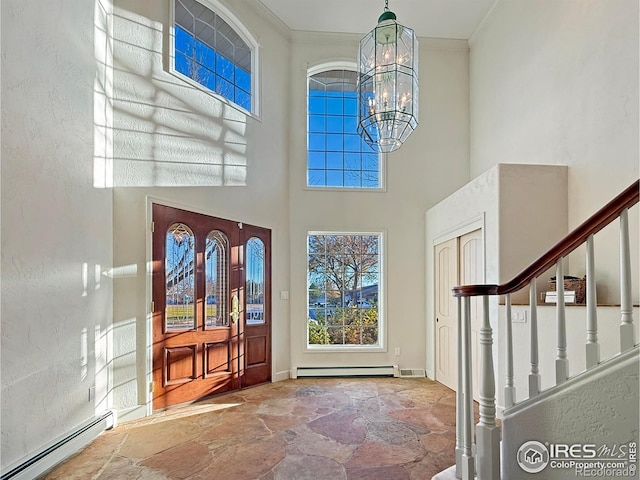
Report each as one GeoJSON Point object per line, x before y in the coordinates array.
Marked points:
{"type": "Point", "coordinates": [217, 278]}
{"type": "Point", "coordinates": [255, 281]}
{"type": "Point", "coordinates": [180, 263]}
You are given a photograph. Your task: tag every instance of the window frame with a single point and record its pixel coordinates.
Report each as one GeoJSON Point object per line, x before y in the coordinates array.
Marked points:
{"type": "Point", "coordinates": [381, 346]}
{"type": "Point", "coordinates": [382, 157]}
{"type": "Point", "coordinates": [246, 36]}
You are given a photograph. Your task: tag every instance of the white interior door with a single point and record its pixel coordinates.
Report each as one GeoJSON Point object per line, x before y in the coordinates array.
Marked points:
{"type": "Point", "coordinates": [458, 261]}
{"type": "Point", "coordinates": [446, 328]}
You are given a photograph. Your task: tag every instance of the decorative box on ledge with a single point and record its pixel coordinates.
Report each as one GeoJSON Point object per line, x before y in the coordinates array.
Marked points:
{"type": "Point", "coordinates": [574, 290]}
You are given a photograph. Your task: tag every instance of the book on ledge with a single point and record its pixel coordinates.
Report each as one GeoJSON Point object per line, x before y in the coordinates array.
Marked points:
{"type": "Point", "coordinates": [552, 297]}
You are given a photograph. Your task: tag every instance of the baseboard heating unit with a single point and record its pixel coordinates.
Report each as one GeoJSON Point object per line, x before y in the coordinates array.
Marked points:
{"type": "Point", "coordinates": [369, 371]}
{"type": "Point", "coordinates": [61, 449]}
{"type": "Point", "coordinates": [411, 373]}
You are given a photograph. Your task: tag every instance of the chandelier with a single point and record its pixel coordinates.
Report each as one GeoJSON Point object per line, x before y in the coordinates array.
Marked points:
{"type": "Point", "coordinates": [387, 84]}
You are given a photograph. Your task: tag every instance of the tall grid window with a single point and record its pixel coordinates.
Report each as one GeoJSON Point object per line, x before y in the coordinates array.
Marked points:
{"type": "Point", "coordinates": [337, 157]}
{"type": "Point", "coordinates": [344, 286]}
{"type": "Point", "coordinates": [210, 52]}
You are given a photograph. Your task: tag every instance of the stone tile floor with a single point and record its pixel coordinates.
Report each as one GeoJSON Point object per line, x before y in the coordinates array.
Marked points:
{"type": "Point", "coordinates": [316, 429]}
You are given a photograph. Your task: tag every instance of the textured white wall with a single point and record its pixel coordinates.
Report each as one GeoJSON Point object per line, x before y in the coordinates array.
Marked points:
{"type": "Point", "coordinates": [601, 409]}
{"type": "Point", "coordinates": [556, 82]}
{"type": "Point", "coordinates": [432, 164]}
{"type": "Point", "coordinates": [56, 227]}
{"type": "Point", "coordinates": [182, 146]}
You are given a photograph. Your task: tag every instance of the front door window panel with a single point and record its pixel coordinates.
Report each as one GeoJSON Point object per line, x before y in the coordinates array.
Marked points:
{"type": "Point", "coordinates": [216, 268]}
{"type": "Point", "coordinates": [255, 281]}
{"type": "Point", "coordinates": [180, 278]}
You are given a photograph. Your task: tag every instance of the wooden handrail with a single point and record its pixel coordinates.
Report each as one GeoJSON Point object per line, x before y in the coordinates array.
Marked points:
{"type": "Point", "coordinates": [603, 217]}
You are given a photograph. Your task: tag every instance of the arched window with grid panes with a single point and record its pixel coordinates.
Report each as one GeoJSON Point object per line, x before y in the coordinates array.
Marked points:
{"type": "Point", "coordinates": [214, 51]}
{"type": "Point", "coordinates": [337, 157]}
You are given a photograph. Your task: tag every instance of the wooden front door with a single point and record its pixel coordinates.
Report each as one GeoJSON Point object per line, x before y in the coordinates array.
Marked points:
{"type": "Point", "coordinates": [255, 338]}
{"type": "Point", "coordinates": [203, 340]}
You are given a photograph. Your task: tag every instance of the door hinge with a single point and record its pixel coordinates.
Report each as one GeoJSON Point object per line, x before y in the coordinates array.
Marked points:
{"type": "Point", "coordinates": [150, 387]}
{"type": "Point", "coordinates": [153, 227]}
{"type": "Point", "coordinates": [153, 307]}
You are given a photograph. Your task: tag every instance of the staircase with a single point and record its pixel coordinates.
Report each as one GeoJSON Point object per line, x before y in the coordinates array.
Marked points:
{"type": "Point", "coordinates": [585, 425]}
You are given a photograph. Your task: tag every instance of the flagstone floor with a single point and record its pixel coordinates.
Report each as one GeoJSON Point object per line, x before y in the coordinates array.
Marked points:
{"type": "Point", "coordinates": [316, 429]}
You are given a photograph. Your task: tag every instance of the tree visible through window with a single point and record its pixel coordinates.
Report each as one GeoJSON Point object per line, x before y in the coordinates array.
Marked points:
{"type": "Point", "coordinates": [336, 155]}
{"type": "Point", "coordinates": [343, 289]}
{"type": "Point", "coordinates": [210, 52]}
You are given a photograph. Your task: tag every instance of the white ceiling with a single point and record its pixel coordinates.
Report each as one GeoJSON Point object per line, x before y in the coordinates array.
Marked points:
{"type": "Point", "coordinates": [429, 18]}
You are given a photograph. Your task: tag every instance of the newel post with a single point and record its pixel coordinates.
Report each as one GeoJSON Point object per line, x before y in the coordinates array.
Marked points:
{"type": "Point", "coordinates": [468, 464]}
{"type": "Point", "coordinates": [460, 397]}
{"type": "Point", "coordinates": [487, 433]}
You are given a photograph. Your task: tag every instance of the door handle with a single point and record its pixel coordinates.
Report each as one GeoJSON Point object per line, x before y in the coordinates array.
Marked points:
{"type": "Point", "coordinates": [235, 309]}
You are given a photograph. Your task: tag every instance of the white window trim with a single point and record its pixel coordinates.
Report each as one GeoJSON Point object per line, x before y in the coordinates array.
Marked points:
{"type": "Point", "coordinates": [382, 157]}
{"type": "Point", "coordinates": [246, 37]}
{"type": "Point", "coordinates": [382, 297]}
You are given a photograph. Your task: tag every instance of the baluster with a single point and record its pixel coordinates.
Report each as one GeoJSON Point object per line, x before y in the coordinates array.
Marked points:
{"type": "Point", "coordinates": [509, 389]}
{"type": "Point", "coordinates": [592, 347]}
{"type": "Point", "coordinates": [487, 433]}
{"type": "Point", "coordinates": [562, 363]}
{"type": "Point", "coordinates": [627, 334]}
{"type": "Point", "coordinates": [468, 462]}
{"type": "Point", "coordinates": [459, 397]}
{"type": "Point", "coordinates": [534, 374]}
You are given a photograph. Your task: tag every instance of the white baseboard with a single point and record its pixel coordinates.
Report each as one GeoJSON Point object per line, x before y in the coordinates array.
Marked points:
{"type": "Point", "coordinates": [280, 376]}
{"type": "Point", "coordinates": [132, 413]}
{"type": "Point", "coordinates": [61, 449]}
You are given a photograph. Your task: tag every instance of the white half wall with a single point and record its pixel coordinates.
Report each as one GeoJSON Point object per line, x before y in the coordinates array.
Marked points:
{"type": "Point", "coordinates": [599, 409]}
{"type": "Point", "coordinates": [522, 212]}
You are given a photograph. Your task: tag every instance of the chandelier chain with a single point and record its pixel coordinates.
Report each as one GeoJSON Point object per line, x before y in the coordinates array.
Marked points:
{"type": "Point", "coordinates": [386, 5]}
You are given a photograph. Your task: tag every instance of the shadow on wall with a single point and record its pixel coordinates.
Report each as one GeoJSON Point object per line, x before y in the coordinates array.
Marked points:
{"type": "Point", "coordinates": [152, 128]}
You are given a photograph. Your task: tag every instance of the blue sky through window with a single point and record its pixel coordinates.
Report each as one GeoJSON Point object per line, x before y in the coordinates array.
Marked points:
{"type": "Point", "coordinates": [203, 64]}
{"type": "Point", "coordinates": [336, 155]}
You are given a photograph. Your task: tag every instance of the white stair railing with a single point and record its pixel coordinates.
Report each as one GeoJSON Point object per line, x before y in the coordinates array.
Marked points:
{"type": "Point", "coordinates": [593, 347]}
{"type": "Point", "coordinates": [509, 388]}
{"type": "Point", "coordinates": [534, 373]}
{"type": "Point", "coordinates": [562, 363]}
{"type": "Point", "coordinates": [627, 336]}
{"type": "Point", "coordinates": [485, 462]}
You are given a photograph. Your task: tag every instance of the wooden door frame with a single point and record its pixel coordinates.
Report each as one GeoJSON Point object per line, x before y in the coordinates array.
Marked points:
{"type": "Point", "coordinates": [144, 383]}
